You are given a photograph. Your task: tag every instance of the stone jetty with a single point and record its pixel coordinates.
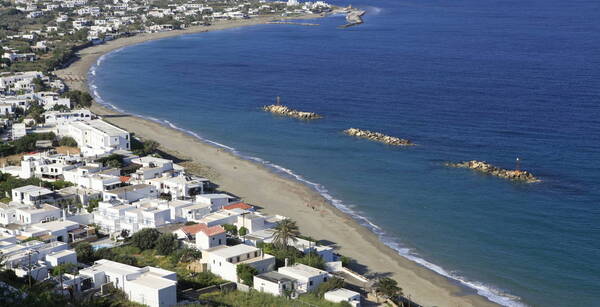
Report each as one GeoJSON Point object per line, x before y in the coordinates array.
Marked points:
{"type": "Point", "coordinates": [378, 137]}
{"type": "Point", "coordinates": [285, 111]}
{"type": "Point", "coordinates": [486, 168]}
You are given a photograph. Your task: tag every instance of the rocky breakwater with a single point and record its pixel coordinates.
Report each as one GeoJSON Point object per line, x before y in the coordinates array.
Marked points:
{"type": "Point", "coordinates": [285, 111]}
{"type": "Point", "coordinates": [378, 137]}
{"type": "Point", "coordinates": [486, 168]}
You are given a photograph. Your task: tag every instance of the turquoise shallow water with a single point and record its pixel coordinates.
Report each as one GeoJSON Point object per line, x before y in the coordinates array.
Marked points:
{"type": "Point", "coordinates": [465, 80]}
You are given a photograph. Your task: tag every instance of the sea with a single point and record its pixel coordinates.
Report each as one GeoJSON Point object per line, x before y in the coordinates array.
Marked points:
{"type": "Point", "coordinates": [491, 80]}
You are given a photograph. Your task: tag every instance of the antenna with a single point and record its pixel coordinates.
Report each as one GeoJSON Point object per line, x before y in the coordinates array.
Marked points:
{"type": "Point", "coordinates": [278, 101]}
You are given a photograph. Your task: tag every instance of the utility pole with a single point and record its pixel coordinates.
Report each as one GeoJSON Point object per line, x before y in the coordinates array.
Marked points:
{"type": "Point", "coordinates": [518, 165]}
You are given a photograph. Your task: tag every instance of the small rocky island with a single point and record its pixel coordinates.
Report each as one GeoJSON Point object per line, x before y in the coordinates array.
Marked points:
{"type": "Point", "coordinates": [486, 168]}
{"type": "Point", "coordinates": [353, 17]}
{"type": "Point", "coordinates": [285, 111]}
{"type": "Point", "coordinates": [378, 137]}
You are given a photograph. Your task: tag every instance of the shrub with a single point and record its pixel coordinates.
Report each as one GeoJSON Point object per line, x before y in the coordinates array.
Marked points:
{"type": "Point", "coordinates": [246, 274]}
{"type": "Point", "coordinates": [85, 252]}
{"type": "Point", "coordinates": [145, 238]}
{"type": "Point", "coordinates": [166, 244]}
{"type": "Point", "coordinates": [67, 141]}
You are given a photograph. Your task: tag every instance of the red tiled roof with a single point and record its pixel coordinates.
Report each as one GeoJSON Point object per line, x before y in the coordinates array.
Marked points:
{"type": "Point", "coordinates": [209, 231]}
{"type": "Point", "coordinates": [244, 206]}
{"type": "Point", "coordinates": [193, 229]}
{"type": "Point", "coordinates": [214, 230]}
{"type": "Point", "coordinates": [124, 179]}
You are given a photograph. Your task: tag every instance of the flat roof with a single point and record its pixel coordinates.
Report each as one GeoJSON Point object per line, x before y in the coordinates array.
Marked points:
{"type": "Point", "coordinates": [213, 196]}
{"type": "Point", "coordinates": [302, 270]}
{"type": "Point", "coordinates": [233, 251]}
{"type": "Point", "coordinates": [341, 292]}
{"type": "Point", "coordinates": [275, 277]}
{"type": "Point", "coordinates": [129, 188]}
{"type": "Point", "coordinates": [153, 281]}
{"type": "Point", "coordinates": [33, 189]}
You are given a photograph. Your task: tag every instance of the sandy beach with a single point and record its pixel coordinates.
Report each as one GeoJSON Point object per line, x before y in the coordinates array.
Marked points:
{"type": "Point", "coordinates": [259, 186]}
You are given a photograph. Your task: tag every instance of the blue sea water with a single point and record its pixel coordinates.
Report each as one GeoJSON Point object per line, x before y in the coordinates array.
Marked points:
{"type": "Point", "coordinates": [464, 79]}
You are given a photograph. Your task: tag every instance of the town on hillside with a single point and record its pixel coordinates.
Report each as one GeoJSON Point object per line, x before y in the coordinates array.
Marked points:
{"type": "Point", "coordinates": [91, 215]}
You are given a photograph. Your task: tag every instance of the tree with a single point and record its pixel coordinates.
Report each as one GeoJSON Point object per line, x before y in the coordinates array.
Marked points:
{"type": "Point", "coordinates": [124, 233]}
{"type": "Point", "coordinates": [285, 231]}
{"type": "Point", "coordinates": [166, 244]}
{"type": "Point", "coordinates": [231, 229]}
{"type": "Point", "coordinates": [246, 274]}
{"type": "Point", "coordinates": [312, 259]}
{"type": "Point", "coordinates": [387, 288]}
{"type": "Point", "coordinates": [67, 141]}
{"type": "Point", "coordinates": [92, 204]}
{"type": "Point", "coordinates": [331, 284]}
{"type": "Point", "coordinates": [85, 252]}
{"type": "Point", "coordinates": [243, 231]}
{"type": "Point", "coordinates": [63, 268]}
{"type": "Point", "coordinates": [145, 238]}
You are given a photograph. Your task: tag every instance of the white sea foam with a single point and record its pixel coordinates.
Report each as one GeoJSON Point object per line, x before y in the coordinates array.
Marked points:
{"type": "Point", "coordinates": [492, 293]}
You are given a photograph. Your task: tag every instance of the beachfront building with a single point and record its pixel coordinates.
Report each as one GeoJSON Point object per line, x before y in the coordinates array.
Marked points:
{"type": "Point", "coordinates": [179, 187]}
{"type": "Point", "coordinates": [221, 217]}
{"type": "Point", "coordinates": [307, 278]}
{"type": "Point", "coordinates": [216, 201]}
{"type": "Point", "coordinates": [273, 283]}
{"type": "Point", "coordinates": [223, 260]}
{"type": "Point", "coordinates": [150, 286]}
{"type": "Point", "coordinates": [153, 167]}
{"type": "Point", "coordinates": [343, 295]}
{"type": "Point", "coordinates": [96, 137]}
{"type": "Point", "coordinates": [201, 236]}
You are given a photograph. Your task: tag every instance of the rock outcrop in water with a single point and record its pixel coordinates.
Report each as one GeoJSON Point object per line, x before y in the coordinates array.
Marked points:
{"type": "Point", "coordinates": [353, 17]}
{"type": "Point", "coordinates": [378, 137]}
{"type": "Point", "coordinates": [486, 168]}
{"type": "Point", "coordinates": [285, 111]}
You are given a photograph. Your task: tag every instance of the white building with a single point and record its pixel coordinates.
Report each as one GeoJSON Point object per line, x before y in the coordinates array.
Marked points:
{"type": "Point", "coordinates": [209, 237]}
{"type": "Point", "coordinates": [61, 257]}
{"type": "Point", "coordinates": [217, 201]}
{"type": "Point", "coordinates": [273, 283]}
{"type": "Point", "coordinates": [343, 295]}
{"type": "Point", "coordinates": [31, 195]}
{"type": "Point", "coordinates": [63, 117]}
{"type": "Point", "coordinates": [223, 260]}
{"type": "Point", "coordinates": [150, 286]}
{"type": "Point", "coordinates": [308, 278]}
{"type": "Point", "coordinates": [221, 217]}
{"type": "Point", "coordinates": [96, 137]}
{"type": "Point", "coordinates": [19, 130]}
{"type": "Point", "coordinates": [130, 193]}
{"type": "Point", "coordinates": [34, 214]}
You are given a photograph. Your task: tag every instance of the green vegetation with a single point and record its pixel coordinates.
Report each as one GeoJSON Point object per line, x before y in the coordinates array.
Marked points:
{"type": "Point", "coordinates": [79, 99]}
{"type": "Point", "coordinates": [112, 160]}
{"type": "Point", "coordinates": [260, 299]}
{"type": "Point", "coordinates": [85, 252]}
{"type": "Point", "coordinates": [230, 229]}
{"type": "Point", "coordinates": [25, 144]}
{"type": "Point", "coordinates": [64, 268]}
{"type": "Point", "coordinates": [67, 141]}
{"type": "Point", "coordinates": [285, 231]}
{"type": "Point", "coordinates": [143, 148]}
{"type": "Point", "coordinates": [166, 244]}
{"type": "Point", "coordinates": [92, 204]}
{"type": "Point", "coordinates": [246, 273]}
{"type": "Point", "coordinates": [388, 288]}
{"type": "Point", "coordinates": [9, 182]}
{"type": "Point", "coordinates": [243, 231]}
{"type": "Point", "coordinates": [145, 238]}
{"type": "Point", "coordinates": [331, 284]}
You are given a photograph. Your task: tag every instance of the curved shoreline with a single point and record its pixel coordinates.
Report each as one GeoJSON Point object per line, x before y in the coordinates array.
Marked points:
{"type": "Point", "coordinates": [361, 242]}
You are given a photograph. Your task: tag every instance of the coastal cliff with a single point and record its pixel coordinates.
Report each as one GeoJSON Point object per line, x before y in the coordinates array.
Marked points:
{"type": "Point", "coordinates": [378, 137]}
{"type": "Point", "coordinates": [285, 111]}
{"type": "Point", "coordinates": [486, 168]}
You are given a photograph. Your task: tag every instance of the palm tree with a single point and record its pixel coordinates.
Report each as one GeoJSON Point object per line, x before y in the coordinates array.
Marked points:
{"type": "Point", "coordinates": [285, 231]}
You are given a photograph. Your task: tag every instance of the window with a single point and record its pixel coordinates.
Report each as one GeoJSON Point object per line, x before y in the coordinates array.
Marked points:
{"type": "Point", "coordinates": [238, 259]}
{"type": "Point", "coordinates": [310, 283]}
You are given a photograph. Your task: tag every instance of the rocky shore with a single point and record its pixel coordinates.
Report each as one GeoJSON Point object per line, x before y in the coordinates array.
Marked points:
{"type": "Point", "coordinates": [486, 168]}
{"type": "Point", "coordinates": [378, 137]}
{"type": "Point", "coordinates": [285, 111]}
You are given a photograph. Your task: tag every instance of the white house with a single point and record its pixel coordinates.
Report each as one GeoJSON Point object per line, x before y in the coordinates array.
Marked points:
{"type": "Point", "coordinates": [209, 237]}
{"type": "Point", "coordinates": [217, 201]}
{"type": "Point", "coordinates": [61, 257]}
{"type": "Point", "coordinates": [221, 217]}
{"type": "Point", "coordinates": [130, 193]}
{"type": "Point", "coordinates": [34, 214]}
{"type": "Point", "coordinates": [31, 195]}
{"type": "Point", "coordinates": [308, 278]}
{"type": "Point", "coordinates": [109, 216]}
{"type": "Point", "coordinates": [179, 187]}
{"type": "Point", "coordinates": [18, 131]}
{"type": "Point", "coordinates": [140, 218]}
{"type": "Point", "coordinates": [343, 295]}
{"type": "Point", "coordinates": [150, 286]}
{"type": "Point", "coordinates": [273, 283]}
{"type": "Point", "coordinates": [223, 260]}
